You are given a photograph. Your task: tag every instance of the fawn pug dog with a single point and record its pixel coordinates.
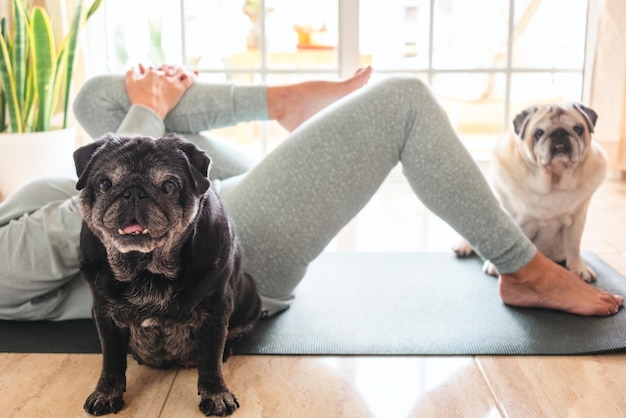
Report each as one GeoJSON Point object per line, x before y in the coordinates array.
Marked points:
{"type": "Point", "coordinates": [544, 174]}
{"type": "Point", "coordinates": [163, 263]}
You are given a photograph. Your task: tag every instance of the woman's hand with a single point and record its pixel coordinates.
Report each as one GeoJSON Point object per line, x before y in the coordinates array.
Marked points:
{"type": "Point", "coordinates": [159, 89]}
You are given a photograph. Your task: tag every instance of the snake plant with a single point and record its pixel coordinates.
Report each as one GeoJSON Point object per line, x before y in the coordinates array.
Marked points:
{"type": "Point", "coordinates": [35, 74]}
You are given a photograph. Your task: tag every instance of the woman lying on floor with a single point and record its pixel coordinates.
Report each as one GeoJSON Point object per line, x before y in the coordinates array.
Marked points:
{"type": "Point", "coordinates": [345, 137]}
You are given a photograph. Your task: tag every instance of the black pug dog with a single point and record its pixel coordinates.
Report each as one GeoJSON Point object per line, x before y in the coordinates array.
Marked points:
{"type": "Point", "coordinates": [163, 263]}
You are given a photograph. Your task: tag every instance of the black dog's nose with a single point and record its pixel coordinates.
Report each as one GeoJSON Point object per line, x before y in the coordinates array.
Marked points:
{"type": "Point", "coordinates": [136, 192]}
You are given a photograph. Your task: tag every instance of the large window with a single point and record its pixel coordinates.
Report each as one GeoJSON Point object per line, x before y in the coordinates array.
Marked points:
{"type": "Point", "coordinates": [485, 60]}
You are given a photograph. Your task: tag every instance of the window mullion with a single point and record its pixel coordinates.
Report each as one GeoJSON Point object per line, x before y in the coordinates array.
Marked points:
{"type": "Point", "coordinates": [348, 48]}
{"type": "Point", "coordinates": [509, 65]}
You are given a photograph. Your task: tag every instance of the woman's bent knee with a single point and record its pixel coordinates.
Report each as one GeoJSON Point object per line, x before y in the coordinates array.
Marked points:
{"type": "Point", "coordinates": [101, 104]}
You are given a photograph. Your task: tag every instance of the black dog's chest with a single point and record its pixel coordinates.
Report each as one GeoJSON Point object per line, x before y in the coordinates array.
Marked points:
{"type": "Point", "coordinates": [164, 344]}
{"type": "Point", "coordinates": [162, 326]}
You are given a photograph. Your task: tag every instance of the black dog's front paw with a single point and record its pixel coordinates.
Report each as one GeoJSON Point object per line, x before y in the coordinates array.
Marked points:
{"type": "Point", "coordinates": [99, 403]}
{"type": "Point", "coordinates": [218, 404]}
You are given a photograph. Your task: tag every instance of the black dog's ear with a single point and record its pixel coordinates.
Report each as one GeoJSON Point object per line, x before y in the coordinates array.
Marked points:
{"type": "Point", "coordinates": [199, 162]}
{"type": "Point", "coordinates": [591, 117]}
{"type": "Point", "coordinates": [83, 157]}
{"type": "Point", "coordinates": [521, 120]}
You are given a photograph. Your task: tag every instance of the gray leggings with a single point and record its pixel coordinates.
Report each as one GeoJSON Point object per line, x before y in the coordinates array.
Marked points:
{"type": "Point", "coordinates": [286, 208]}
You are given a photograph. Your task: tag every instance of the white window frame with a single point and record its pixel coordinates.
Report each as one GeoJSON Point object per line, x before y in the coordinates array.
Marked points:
{"type": "Point", "coordinates": [348, 51]}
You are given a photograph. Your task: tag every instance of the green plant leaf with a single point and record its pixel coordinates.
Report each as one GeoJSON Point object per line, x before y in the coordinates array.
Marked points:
{"type": "Point", "coordinates": [19, 54]}
{"type": "Point", "coordinates": [29, 107]}
{"type": "Point", "coordinates": [61, 69]}
{"type": "Point", "coordinates": [44, 61]}
{"type": "Point", "coordinates": [78, 21]}
{"type": "Point", "coordinates": [94, 7]}
{"type": "Point", "coordinates": [69, 55]}
{"type": "Point", "coordinates": [8, 87]}
{"type": "Point", "coordinates": [3, 125]}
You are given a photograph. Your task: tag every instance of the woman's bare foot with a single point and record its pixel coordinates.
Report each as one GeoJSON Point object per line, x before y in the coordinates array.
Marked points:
{"type": "Point", "coordinates": [290, 105]}
{"type": "Point", "coordinates": [544, 284]}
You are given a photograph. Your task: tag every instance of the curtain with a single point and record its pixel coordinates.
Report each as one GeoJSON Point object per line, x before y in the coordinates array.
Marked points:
{"type": "Point", "coordinates": [608, 84]}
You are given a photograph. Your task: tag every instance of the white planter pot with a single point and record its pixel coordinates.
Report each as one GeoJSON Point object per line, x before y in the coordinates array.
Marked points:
{"type": "Point", "coordinates": [25, 157]}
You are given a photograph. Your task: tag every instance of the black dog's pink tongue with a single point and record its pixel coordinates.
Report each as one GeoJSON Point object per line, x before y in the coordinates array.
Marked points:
{"type": "Point", "coordinates": [132, 228]}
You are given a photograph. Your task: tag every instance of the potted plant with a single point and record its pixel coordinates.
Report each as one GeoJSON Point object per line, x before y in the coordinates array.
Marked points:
{"type": "Point", "coordinates": [35, 81]}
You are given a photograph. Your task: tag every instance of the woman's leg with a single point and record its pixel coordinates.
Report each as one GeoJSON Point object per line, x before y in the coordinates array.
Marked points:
{"type": "Point", "coordinates": [288, 208]}
{"type": "Point", "coordinates": [39, 235]}
{"type": "Point", "coordinates": [296, 200]}
{"type": "Point", "coordinates": [102, 105]}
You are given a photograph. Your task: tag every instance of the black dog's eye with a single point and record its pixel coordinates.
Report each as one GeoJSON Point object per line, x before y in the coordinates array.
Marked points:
{"type": "Point", "coordinates": [538, 134]}
{"type": "Point", "coordinates": [579, 129]}
{"type": "Point", "coordinates": [104, 185]}
{"type": "Point", "coordinates": [168, 187]}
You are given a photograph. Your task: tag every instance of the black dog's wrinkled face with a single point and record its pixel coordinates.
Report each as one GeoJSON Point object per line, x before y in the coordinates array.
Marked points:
{"type": "Point", "coordinates": [140, 194]}
{"type": "Point", "coordinates": [555, 133]}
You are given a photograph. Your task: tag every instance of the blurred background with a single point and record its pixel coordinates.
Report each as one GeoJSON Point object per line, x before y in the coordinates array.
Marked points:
{"type": "Point", "coordinates": [484, 60]}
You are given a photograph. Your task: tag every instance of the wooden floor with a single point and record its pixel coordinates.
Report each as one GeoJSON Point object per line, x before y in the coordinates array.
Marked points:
{"type": "Point", "coordinates": [35, 385]}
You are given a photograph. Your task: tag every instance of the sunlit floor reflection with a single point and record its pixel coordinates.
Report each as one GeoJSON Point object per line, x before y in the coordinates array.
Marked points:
{"type": "Point", "coordinates": [414, 386]}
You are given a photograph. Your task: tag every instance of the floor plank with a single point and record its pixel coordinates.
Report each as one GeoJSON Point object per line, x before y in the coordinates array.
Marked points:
{"type": "Point", "coordinates": [275, 386]}
{"type": "Point", "coordinates": [56, 385]}
{"type": "Point", "coordinates": [585, 386]}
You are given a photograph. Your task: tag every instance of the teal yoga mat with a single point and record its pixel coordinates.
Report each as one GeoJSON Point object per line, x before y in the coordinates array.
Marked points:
{"type": "Point", "coordinates": [389, 304]}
